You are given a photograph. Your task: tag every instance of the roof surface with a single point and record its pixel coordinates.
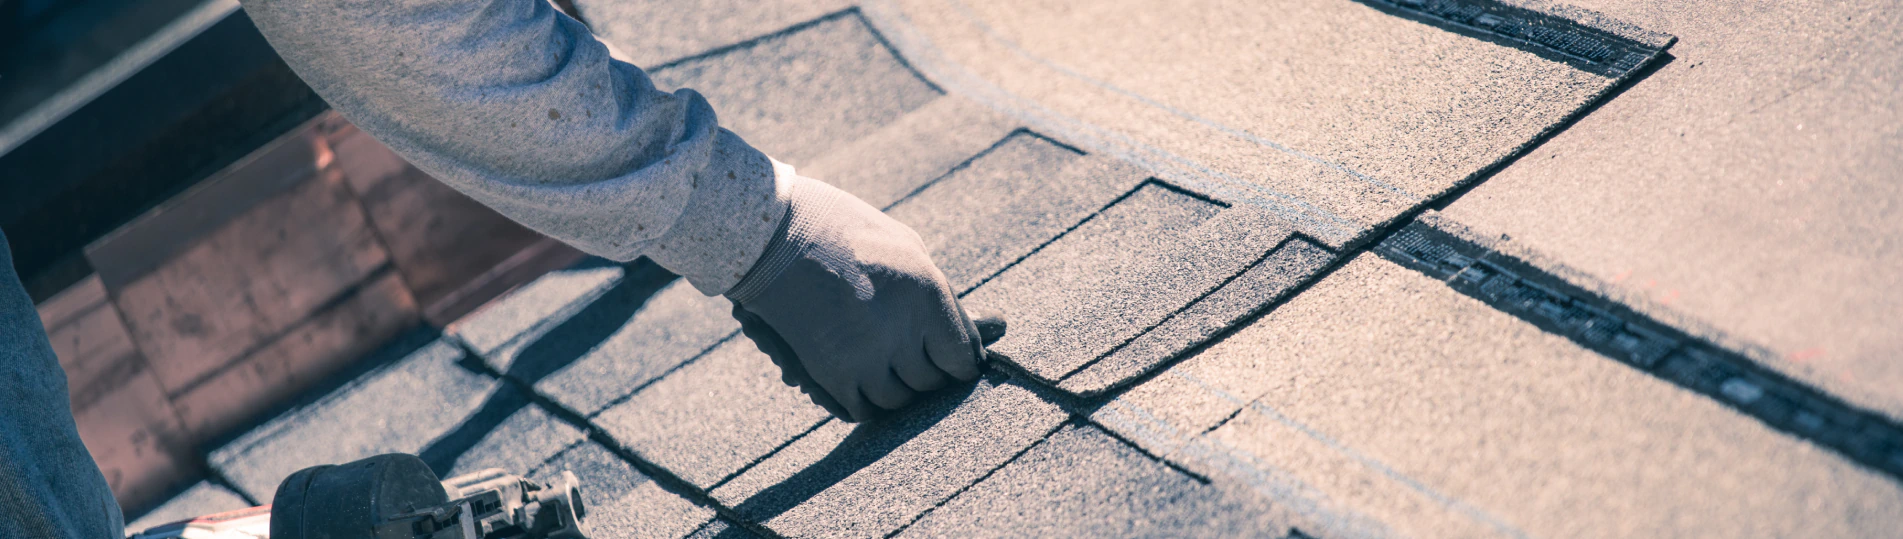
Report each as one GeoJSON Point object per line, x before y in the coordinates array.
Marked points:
{"type": "Point", "coordinates": [1304, 268]}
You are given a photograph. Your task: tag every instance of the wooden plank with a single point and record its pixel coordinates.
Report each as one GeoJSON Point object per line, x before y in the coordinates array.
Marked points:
{"type": "Point", "coordinates": [321, 346]}
{"type": "Point", "coordinates": [365, 162]}
{"type": "Point", "coordinates": [91, 342]}
{"type": "Point", "coordinates": [135, 438]}
{"type": "Point", "coordinates": [441, 240]}
{"type": "Point", "coordinates": [158, 235]}
{"type": "Point", "coordinates": [74, 301]}
{"type": "Point", "coordinates": [250, 280]}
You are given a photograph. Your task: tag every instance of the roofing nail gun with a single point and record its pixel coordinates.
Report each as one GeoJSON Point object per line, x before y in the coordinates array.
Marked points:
{"type": "Point", "coordinates": [396, 496]}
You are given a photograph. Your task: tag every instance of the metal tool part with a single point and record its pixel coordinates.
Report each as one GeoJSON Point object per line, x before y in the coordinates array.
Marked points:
{"type": "Point", "coordinates": [396, 496]}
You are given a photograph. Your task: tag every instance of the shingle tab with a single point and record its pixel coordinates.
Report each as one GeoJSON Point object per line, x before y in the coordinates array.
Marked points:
{"type": "Point", "coordinates": [901, 157]}
{"type": "Point", "coordinates": [713, 416]}
{"type": "Point", "coordinates": [871, 479]}
{"type": "Point", "coordinates": [1291, 264]}
{"type": "Point", "coordinates": [1022, 193]}
{"type": "Point", "coordinates": [620, 501]}
{"type": "Point", "coordinates": [1120, 273]}
{"type": "Point", "coordinates": [425, 404]}
{"type": "Point", "coordinates": [601, 337]}
{"type": "Point", "coordinates": [1381, 393]}
{"type": "Point", "coordinates": [533, 309]}
{"type": "Point", "coordinates": [1335, 114]}
{"type": "Point", "coordinates": [1082, 483]}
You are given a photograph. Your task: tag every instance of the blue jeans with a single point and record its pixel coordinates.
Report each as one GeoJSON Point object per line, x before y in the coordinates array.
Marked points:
{"type": "Point", "coordinates": [49, 485]}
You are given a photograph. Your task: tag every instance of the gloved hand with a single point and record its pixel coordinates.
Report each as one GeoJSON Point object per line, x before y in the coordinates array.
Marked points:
{"type": "Point", "coordinates": [849, 305]}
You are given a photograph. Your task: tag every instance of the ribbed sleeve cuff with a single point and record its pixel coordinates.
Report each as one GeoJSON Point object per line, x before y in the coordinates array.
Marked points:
{"type": "Point", "coordinates": [809, 203]}
{"type": "Point", "coordinates": [738, 202]}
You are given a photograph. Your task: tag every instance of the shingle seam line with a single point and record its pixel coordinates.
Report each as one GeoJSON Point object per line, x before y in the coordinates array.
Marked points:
{"type": "Point", "coordinates": [1264, 478]}
{"type": "Point", "coordinates": [1259, 259]}
{"type": "Point", "coordinates": [1196, 176]}
{"type": "Point", "coordinates": [1382, 468]}
{"type": "Point", "coordinates": [664, 374]}
{"type": "Point", "coordinates": [769, 454]}
{"type": "Point", "coordinates": [755, 41]}
{"type": "Point", "coordinates": [987, 475]}
{"type": "Point", "coordinates": [961, 166]}
{"type": "Point", "coordinates": [1060, 235]}
{"type": "Point", "coordinates": [660, 475]}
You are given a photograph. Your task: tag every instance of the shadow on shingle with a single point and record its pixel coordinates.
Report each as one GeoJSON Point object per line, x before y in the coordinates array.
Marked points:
{"type": "Point", "coordinates": [554, 351]}
{"type": "Point", "coordinates": [868, 443]}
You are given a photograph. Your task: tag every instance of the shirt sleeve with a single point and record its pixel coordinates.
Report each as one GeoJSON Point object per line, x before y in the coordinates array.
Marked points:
{"type": "Point", "coordinates": [521, 108]}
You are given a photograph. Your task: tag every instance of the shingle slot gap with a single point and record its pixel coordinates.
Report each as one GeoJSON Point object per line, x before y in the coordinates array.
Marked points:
{"type": "Point", "coordinates": [661, 476]}
{"type": "Point", "coordinates": [1613, 330]}
{"type": "Point", "coordinates": [987, 475]}
{"type": "Point", "coordinates": [664, 374]}
{"type": "Point", "coordinates": [1060, 235]}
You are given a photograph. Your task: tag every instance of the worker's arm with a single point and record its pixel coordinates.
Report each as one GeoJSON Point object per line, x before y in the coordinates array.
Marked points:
{"type": "Point", "coordinates": [521, 108]}
{"type": "Point", "coordinates": [49, 486]}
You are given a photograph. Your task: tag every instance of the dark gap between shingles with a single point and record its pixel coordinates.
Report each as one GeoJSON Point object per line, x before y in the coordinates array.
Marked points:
{"type": "Point", "coordinates": [1179, 310]}
{"type": "Point", "coordinates": [1060, 235]}
{"type": "Point", "coordinates": [987, 475]}
{"type": "Point", "coordinates": [661, 476]}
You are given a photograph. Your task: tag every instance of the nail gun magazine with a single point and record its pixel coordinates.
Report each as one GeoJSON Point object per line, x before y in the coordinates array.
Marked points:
{"type": "Point", "coordinates": [397, 496]}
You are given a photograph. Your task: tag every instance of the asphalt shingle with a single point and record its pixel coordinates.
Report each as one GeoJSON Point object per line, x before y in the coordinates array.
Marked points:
{"type": "Point", "coordinates": [620, 501]}
{"type": "Point", "coordinates": [721, 528]}
{"type": "Point", "coordinates": [507, 432]}
{"type": "Point", "coordinates": [1292, 263]}
{"type": "Point", "coordinates": [1337, 113]}
{"type": "Point", "coordinates": [1382, 394]}
{"type": "Point", "coordinates": [652, 34]}
{"type": "Point", "coordinates": [714, 416]}
{"type": "Point", "coordinates": [425, 403]}
{"type": "Point", "coordinates": [1082, 483]}
{"type": "Point", "coordinates": [1120, 273]}
{"type": "Point", "coordinates": [797, 95]}
{"type": "Point", "coordinates": [1796, 251]}
{"type": "Point", "coordinates": [1023, 192]}
{"type": "Point", "coordinates": [528, 312]}
{"type": "Point", "coordinates": [602, 347]}
{"type": "Point", "coordinates": [901, 157]}
{"type": "Point", "coordinates": [871, 479]}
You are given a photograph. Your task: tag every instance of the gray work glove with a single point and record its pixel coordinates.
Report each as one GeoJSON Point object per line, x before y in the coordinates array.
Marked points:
{"type": "Point", "coordinates": [849, 305]}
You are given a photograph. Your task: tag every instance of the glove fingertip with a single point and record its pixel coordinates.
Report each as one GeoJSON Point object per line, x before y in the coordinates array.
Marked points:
{"type": "Point", "coordinates": [989, 321]}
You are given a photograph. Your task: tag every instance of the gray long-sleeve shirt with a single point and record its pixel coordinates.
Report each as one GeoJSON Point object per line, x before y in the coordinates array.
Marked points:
{"type": "Point", "coordinates": [521, 108]}
{"type": "Point", "coordinates": [505, 100]}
